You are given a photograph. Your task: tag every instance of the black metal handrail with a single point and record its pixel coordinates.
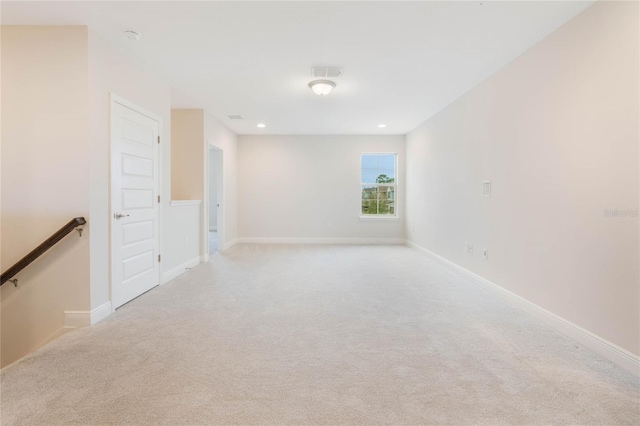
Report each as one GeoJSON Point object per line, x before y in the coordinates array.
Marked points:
{"type": "Point", "coordinates": [38, 251]}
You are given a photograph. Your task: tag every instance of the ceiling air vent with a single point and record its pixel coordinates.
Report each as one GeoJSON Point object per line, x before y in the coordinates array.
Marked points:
{"type": "Point", "coordinates": [327, 72]}
{"type": "Point", "coordinates": [234, 117]}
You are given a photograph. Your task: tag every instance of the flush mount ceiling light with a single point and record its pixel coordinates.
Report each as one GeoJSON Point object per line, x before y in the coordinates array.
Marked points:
{"type": "Point", "coordinates": [132, 35]}
{"type": "Point", "coordinates": [381, 126]}
{"type": "Point", "coordinates": [322, 87]}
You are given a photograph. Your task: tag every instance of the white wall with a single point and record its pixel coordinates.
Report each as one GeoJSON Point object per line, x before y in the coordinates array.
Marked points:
{"type": "Point", "coordinates": [301, 188]}
{"type": "Point", "coordinates": [45, 180]}
{"type": "Point", "coordinates": [183, 249]}
{"type": "Point", "coordinates": [556, 131]}
{"type": "Point", "coordinates": [214, 159]}
{"type": "Point", "coordinates": [219, 136]}
{"type": "Point", "coordinates": [112, 71]}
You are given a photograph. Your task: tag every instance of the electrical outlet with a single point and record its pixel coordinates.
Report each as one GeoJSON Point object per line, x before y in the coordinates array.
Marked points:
{"type": "Point", "coordinates": [485, 253]}
{"type": "Point", "coordinates": [470, 249]}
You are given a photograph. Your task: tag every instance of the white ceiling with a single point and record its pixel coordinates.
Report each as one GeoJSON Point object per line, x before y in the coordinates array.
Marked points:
{"type": "Point", "coordinates": [403, 61]}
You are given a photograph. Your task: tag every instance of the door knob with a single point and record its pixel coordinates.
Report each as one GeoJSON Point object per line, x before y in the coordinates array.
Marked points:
{"type": "Point", "coordinates": [120, 215]}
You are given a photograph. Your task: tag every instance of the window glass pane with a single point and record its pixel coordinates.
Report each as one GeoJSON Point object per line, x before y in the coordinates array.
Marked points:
{"type": "Point", "coordinates": [378, 178]}
{"type": "Point", "coordinates": [386, 176]}
{"type": "Point", "coordinates": [369, 175]}
{"type": "Point", "coordinates": [386, 194]}
{"type": "Point", "coordinates": [369, 192]}
{"type": "Point", "coordinates": [369, 207]}
{"type": "Point", "coordinates": [387, 161]}
{"type": "Point", "coordinates": [392, 208]}
{"type": "Point", "coordinates": [385, 207]}
{"type": "Point", "coordinates": [370, 161]}
{"type": "Point", "coordinates": [390, 193]}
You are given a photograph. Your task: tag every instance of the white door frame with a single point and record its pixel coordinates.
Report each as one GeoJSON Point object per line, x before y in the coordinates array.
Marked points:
{"type": "Point", "coordinates": [221, 200]}
{"type": "Point", "coordinates": [116, 99]}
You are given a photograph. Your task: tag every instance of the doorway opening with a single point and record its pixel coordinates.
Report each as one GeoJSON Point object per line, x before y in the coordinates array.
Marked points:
{"type": "Point", "coordinates": [215, 197]}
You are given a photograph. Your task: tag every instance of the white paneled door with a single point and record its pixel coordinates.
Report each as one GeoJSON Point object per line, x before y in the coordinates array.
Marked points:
{"type": "Point", "coordinates": [134, 203]}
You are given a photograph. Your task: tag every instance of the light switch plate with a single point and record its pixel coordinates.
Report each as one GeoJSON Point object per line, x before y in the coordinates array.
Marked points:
{"type": "Point", "coordinates": [486, 188]}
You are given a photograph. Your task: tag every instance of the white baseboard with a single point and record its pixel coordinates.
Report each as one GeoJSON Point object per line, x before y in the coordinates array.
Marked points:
{"type": "Point", "coordinates": [597, 344]}
{"type": "Point", "coordinates": [229, 244]}
{"type": "Point", "coordinates": [100, 313]}
{"type": "Point", "coordinates": [178, 270]}
{"type": "Point", "coordinates": [250, 240]}
{"type": "Point", "coordinates": [77, 319]}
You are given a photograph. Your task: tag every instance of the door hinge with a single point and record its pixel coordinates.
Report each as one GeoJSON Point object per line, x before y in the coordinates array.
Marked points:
{"type": "Point", "coordinates": [159, 258]}
{"type": "Point", "coordinates": [158, 198]}
{"type": "Point", "coordinates": [158, 139]}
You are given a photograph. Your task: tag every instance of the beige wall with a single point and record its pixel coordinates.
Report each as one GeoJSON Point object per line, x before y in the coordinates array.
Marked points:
{"type": "Point", "coordinates": [45, 180]}
{"type": "Point", "coordinates": [305, 187]}
{"type": "Point", "coordinates": [112, 72]}
{"type": "Point", "coordinates": [556, 131]}
{"type": "Point", "coordinates": [187, 140]}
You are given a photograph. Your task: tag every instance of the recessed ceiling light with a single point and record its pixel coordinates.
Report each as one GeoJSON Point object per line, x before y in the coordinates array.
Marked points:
{"type": "Point", "coordinates": [382, 126]}
{"type": "Point", "coordinates": [262, 125]}
{"type": "Point", "coordinates": [132, 35]}
{"type": "Point", "coordinates": [322, 87]}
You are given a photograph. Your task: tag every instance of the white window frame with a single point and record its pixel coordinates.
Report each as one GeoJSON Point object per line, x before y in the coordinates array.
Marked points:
{"type": "Point", "coordinates": [395, 184]}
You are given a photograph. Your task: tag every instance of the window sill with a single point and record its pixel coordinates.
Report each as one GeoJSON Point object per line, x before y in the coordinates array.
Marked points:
{"type": "Point", "coordinates": [378, 217]}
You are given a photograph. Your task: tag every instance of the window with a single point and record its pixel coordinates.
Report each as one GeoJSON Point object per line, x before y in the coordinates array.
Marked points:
{"type": "Point", "coordinates": [378, 184]}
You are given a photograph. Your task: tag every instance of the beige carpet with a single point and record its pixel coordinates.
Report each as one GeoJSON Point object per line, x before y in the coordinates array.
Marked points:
{"type": "Point", "coordinates": [317, 335]}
